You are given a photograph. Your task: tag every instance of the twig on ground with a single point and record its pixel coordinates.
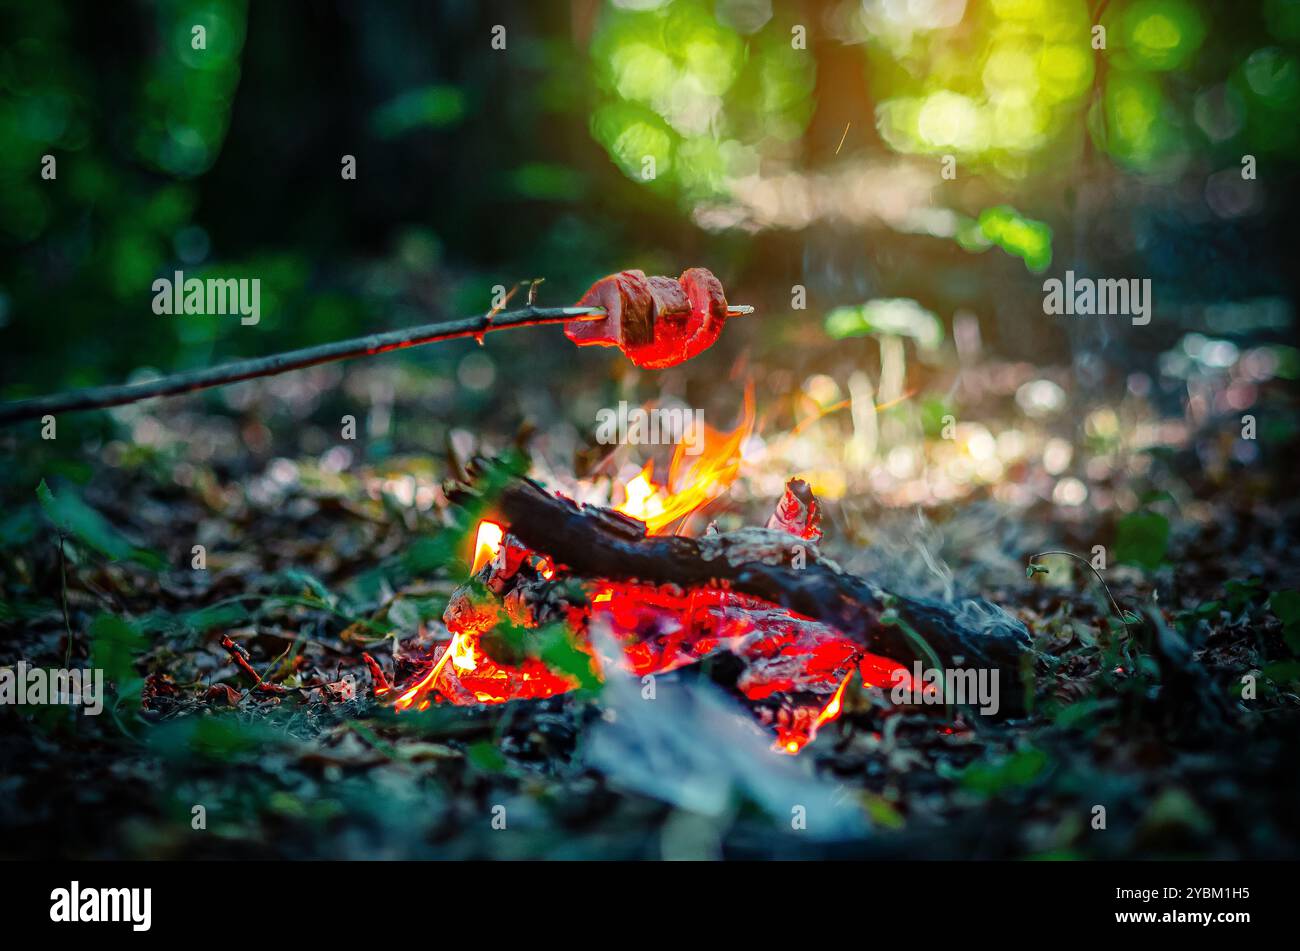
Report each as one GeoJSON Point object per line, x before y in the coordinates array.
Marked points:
{"type": "Point", "coordinates": [1035, 568]}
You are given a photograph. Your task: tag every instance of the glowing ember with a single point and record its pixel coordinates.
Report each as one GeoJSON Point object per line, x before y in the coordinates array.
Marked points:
{"type": "Point", "coordinates": [797, 669]}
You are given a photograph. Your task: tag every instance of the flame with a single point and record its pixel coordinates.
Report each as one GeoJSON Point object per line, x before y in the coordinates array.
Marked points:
{"type": "Point", "coordinates": [421, 690]}
{"type": "Point", "coordinates": [487, 543]}
{"type": "Point", "coordinates": [462, 653]}
{"type": "Point", "coordinates": [795, 742]}
{"type": "Point", "coordinates": [836, 706]}
{"type": "Point", "coordinates": [693, 480]}
{"type": "Point", "coordinates": [644, 500]}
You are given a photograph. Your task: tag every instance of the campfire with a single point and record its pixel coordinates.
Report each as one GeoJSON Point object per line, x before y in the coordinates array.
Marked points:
{"type": "Point", "coordinates": [795, 665]}
{"type": "Point", "coordinates": [567, 585]}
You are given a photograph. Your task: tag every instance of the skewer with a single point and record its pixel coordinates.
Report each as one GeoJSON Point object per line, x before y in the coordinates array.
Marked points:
{"type": "Point", "coordinates": [591, 313]}
{"type": "Point", "coordinates": [102, 397]}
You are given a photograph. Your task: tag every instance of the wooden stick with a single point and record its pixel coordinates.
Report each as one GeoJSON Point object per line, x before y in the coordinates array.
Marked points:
{"type": "Point", "coordinates": [101, 397]}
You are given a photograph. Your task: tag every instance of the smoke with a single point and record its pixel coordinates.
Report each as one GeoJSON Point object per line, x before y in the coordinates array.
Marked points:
{"type": "Point", "coordinates": [977, 547]}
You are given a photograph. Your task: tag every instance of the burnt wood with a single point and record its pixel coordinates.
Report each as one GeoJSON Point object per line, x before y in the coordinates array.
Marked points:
{"type": "Point", "coordinates": [599, 543]}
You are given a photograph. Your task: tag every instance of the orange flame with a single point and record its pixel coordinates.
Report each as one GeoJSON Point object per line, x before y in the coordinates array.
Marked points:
{"type": "Point", "coordinates": [421, 690]}
{"type": "Point", "coordinates": [487, 543]}
{"type": "Point", "coordinates": [693, 480]}
{"type": "Point", "coordinates": [795, 742]}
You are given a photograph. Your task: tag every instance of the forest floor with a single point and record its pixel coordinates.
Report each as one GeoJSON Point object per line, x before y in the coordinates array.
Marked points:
{"type": "Point", "coordinates": [1140, 742]}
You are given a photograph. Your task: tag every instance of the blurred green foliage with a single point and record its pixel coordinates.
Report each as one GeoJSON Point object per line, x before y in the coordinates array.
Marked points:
{"type": "Point", "coordinates": [902, 318]}
{"type": "Point", "coordinates": [72, 516]}
{"type": "Point", "coordinates": [705, 102]}
{"type": "Point", "coordinates": [189, 88]}
{"type": "Point", "coordinates": [480, 167]}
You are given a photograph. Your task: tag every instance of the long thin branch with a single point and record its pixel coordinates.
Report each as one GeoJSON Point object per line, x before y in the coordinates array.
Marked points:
{"type": "Point", "coordinates": [104, 396]}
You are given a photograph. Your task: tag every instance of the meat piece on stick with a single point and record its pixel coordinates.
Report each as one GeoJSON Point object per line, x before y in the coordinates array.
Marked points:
{"type": "Point", "coordinates": [658, 322]}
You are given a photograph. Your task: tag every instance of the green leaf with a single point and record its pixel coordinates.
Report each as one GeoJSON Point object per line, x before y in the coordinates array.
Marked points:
{"type": "Point", "coordinates": [1285, 606]}
{"type": "Point", "coordinates": [933, 412]}
{"type": "Point", "coordinates": [1283, 671]}
{"type": "Point", "coordinates": [1142, 540]}
{"type": "Point", "coordinates": [286, 804]}
{"type": "Point", "coordinates": [302, 578]}
{"type": "Point", "coordinates": [882, 811]}
{"type": "Point", "coordinates": [993, 776]}
{"type": "Point", "coordinates": [1077, 713]}
{"type": "Point", "coordinates": [1241, 595]}
{"type": "Point", "coordinates": [196, 622]}
{"type": "Point", "coordinates": [486, 757]}
{"type": "Point", "coordinates": [70, 514]}
{"type": "Point", "coordinates": [202, 620]}
{"type": "Point", "coordinates": [114, 644]}
{"type": "Point", "coordinates": [553, 645]}
{"type": "Point", "coordinates": [1176, 808]}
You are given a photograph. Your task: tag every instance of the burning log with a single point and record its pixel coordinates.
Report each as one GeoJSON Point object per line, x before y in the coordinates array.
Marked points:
{"type": "Point", "coordinates": [761, 562]}
{"type": "Point", "coordinates": [799, 626]}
